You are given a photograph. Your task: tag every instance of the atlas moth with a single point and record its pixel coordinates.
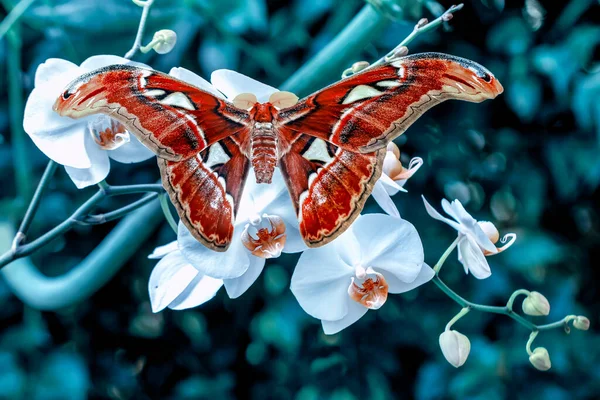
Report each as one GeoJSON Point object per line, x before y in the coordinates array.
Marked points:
{"type": "Point", "coordinates": [329, 146]}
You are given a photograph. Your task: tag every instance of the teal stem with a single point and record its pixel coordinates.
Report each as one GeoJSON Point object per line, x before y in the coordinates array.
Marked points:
{"type": "Point", "coordinates": [532, 337]}
{"type": "Point", "coordinates": [497, 310]}
{"type": "Point", "coordinates": [164, 205]}
{"type": "Point", "coordinates": [458, 316]}
{"type": "Point", "coordinates": [13, 16]}
{"type": "Point", "coordinates": [444, 256]}
{"type": "Point", "coordinates": [22, 166]}
{"type": "Point", "coordinates": [326, 65]}
{"type": "Point", "coordinates": [141, 27]}
{"type": "Point", "coordinates": [97, 219]}
{"type": "Point", "coordinates": [513, 297]}
{"type": "Point", "coordinates": [52, 293]}
{"type": "Point", "coordinates": [35, 201]}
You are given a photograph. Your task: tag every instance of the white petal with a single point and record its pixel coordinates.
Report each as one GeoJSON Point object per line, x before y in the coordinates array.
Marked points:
{"type": "Point", "coordinates": [56, 68]}
{"type": "Point", "coordinates": [469, 224]}
{"type": "Point", "coordinates": [222, 265]}
{"type": "Point", "coordinates": [162, 251]}
{"type": "Point", "coordinates": [397, 286]}
{"type": "Point", "coordinates": [389, 243]}
{"type": "Point", "coordinates": [132, 152]}
{"type": "Point", "coordinates": [384, 200]}
{"type": "Point", "coordinates": [100, 61]}
{"type": "Point", "coordinates": [355, 312]}
{"type": "Point", "coordinates": [455, 347]}
{"type": "Point", "coordinates": [84, 177]}
{"type": "Point", "coordinates": [196, 80]}
{"type": "Point", "coordinates": [390, 185]}
{"type": "Point", "coordinates": [472, 258]}
{"type": "Point", "coordinates": [436, 215]}
{"type": "Point", "coordinates": [293, 242]}
{"type": "Point", "coordinates": [237, 286]}
{"type": "Point", "coordinates": [168, 280]}
{"type": "Point", "coordinates": [320, 283]}
{"type": "Point", "coordinates": [200, 290]}
{"type": "Point", "coordinates": [232, 83]}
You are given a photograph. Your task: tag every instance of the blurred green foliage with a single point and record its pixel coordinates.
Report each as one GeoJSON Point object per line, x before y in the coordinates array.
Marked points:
{"type": "Point", "coordinates": [527, 161]}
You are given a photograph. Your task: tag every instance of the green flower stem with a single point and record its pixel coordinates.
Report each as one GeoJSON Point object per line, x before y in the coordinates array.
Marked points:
{"type": "Point", "coordinates": [146, 5]}
{"type": "Point", "coordinates": [79, 216]}
{"type": "Point", "coordinates": [324, 67]}
{"type": "Point", "coordinates": [418, 30]}
{"type": "Point", "coordinates": [13, 16]}
{"type": "Point", "coordinates": [97, 219]}
{"type": "Point", "coordinates": [499, 310]}
{"type": "Point", "coordinates": [164, 205]}
{"type": "Point", "coordinates": [444, 256]}
{"type": "Point", "coordinates": [22, 166]}
{"type": "Point", "coordinates": [458, 316]}
{"type": "Point", "coordinates": [532, 337]}
{"type": "Point", "coordinates": [52, 293]}
{"type": "Point", "coordinates": [517, 293]}
{"type": "Point", "coordinates": [35, 202]}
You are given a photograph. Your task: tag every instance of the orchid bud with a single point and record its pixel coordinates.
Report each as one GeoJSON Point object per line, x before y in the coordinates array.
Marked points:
{"type": "Point", "coordinates": [540, 359]}
{"type": "Point", "coordinates": [490, 230]}
{"type": "Point", "coordinates": [422, 22]}
{"type": "Point", "coordinates": [536, 304]}
{"type": "Point", "coordinates": [164, 41]}
{"type": "Point", "coordinates": [359, 66]}
{"type": "Point", "coordinates": [582, 323]}
{"type": "Point", "coordinates": [455, 347]}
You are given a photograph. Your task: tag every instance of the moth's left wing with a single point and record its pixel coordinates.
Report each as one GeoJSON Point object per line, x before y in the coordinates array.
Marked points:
{"type": "Point", "coordinates": [206, 190]}
{"type": "Point", "coordinates": [328, 185]}
{"type": "Point", "coordinates": [174, 119]}
{"type": "Point", "coordinates": [364, 112]}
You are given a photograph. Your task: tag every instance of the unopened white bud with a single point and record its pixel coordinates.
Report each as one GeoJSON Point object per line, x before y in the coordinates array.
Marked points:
{"type": "Point", "coordinates": [359, 66]}
{"type": "Point", "coordinates": [164, 41]}
{"type": "Point", "coordinates": [582, 323]}
{"type": "Point", "coordinates": [455, 347]}
{"type": "Point", "coordinates": [536, 304]}
{"type": "Point", "coordinates": [540, 359]}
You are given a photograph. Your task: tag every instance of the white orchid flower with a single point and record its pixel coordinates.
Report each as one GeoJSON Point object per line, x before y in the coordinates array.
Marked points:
{"type": "Point", "coordinates": [393, 178]}
{"type": "Point", "coordinates": [176, 284]}
{"type": "Point", "coordinates": [476, 239]}
{"type": "Point", "coordinates": [266, 222]}
{"type": "Point", "coordinates": [339, 282]}
{"type": "Point", "coordinates": [84, 145]}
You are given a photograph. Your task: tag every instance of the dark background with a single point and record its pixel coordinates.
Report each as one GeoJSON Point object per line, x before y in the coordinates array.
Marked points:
{"type": "Point", "coordinates": [528, 161]}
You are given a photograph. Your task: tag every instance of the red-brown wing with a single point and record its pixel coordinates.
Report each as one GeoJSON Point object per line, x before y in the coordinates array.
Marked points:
{"type": "Point", "coordinates": [365, 111]}
{"type": "Point", "coordinates": [174, 119]}
{"type": "Point", "coordinates": [328, 185]}
{"type": "Point", "coordinates": [206, 190]}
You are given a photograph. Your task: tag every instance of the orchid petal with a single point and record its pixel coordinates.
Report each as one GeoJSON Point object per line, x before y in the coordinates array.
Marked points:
{"type": "Point", "coordinates": [196, 80]}
{"type": "Point", "coordinates": [222, 265]}
{"type": "Point", "coordinates": [293, 242]}
{"type": "Point", "coordinates": [395, 285]}
{"type": "Point", "coordinates": [472, 258]}
{"type": "Point", "coordinates": [384, 200]}
{"type": "Point", "coordinates": [56, 69]}
{"type": "Point", "coordinates": [355, 312]}
{"type": "Point", "coordinates": [200, 290]}
{"type": "Point", "coordinates": [232, 83]}
{"type": "Point", "coordinates": [237, 286]}
{"type": "Point", "coordinates": [131, 152]}
{"type": "Point", "coordinates": [436, 215]}
{"type": "Point", "coordinates": [162, 251]}
{"type": "Point", "coordinates": [105, 60]}
{"type": "Point", "coordinates": [389, 243]}
{"type": "Point", "coordinates": [98, 171]}
{"type": "Point", "coordinates": [320, 283]}
{"type": "Point", "coordinates": [169, 278]}
{"type": "Point", "coordinates": [391, 186]}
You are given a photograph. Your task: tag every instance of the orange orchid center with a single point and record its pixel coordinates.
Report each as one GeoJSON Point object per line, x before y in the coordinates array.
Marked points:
{"type": "Point", "coordinates": [265, 236]}
{"type": "Point", "coordinates": [372, 292]}
{"type": "Point", "coordinates": [108, 133]}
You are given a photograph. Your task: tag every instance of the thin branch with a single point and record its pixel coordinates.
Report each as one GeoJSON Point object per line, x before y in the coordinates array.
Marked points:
{"type": "Point", "coordinates": [13, 16]}
{"type": "Point", "coordinates": [140, 33]}
{"type": "Point", "coordinates": [97, 219]}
